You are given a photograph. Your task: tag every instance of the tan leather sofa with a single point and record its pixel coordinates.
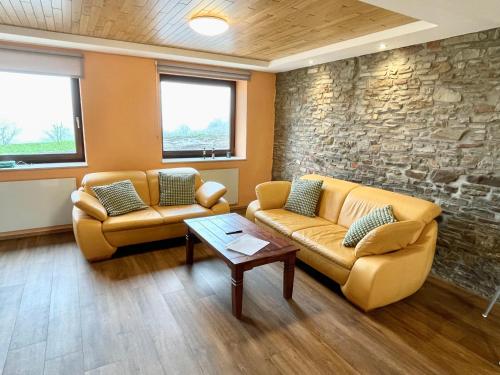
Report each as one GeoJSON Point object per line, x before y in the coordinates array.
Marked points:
{"type": "Point", "coordinates": [388, 266]}
{"type": "Point", "coordinates": [98, 235]}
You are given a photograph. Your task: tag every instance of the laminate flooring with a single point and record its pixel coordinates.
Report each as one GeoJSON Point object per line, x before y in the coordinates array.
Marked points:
{"type": "Point", "coordinates": [148, 313]}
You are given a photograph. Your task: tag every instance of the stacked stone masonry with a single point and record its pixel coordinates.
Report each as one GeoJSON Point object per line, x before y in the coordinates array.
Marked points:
{"type": "Point", "coordinates": [422, 120]}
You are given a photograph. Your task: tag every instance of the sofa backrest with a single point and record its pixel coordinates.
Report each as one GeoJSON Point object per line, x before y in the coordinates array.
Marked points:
{"type": "Point", "coordinates": [332, 196]}
{"type": "Point", "coordinates": [138, 179]}
{"type": "Point", "coordinates": [154, 187]}
{"type": "Point", "coordinates": [361, 200]}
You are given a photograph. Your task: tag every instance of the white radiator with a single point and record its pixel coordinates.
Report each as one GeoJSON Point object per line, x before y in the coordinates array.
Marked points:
{"type": "Point", "coordinates": [35, 203]}
{"type": "Point", "coordinates": [227, 177]}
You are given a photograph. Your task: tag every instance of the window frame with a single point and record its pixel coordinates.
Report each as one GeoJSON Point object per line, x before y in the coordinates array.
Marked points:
{"type": "Point", "coordinates": [232, 116]}
{"type": "Point", "coordinates": [79, 155]}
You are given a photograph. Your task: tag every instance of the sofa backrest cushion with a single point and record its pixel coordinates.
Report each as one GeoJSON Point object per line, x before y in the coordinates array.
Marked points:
{"type": "Point", "coordinates": [138, 179]}
{"type": "Point", "coordinates": [153, 182]}
{"type": "Point", "coordinates": [363, 199]}
{"type": "Point", "coordinates": [332, 196]}
{"type": "Point", "coordinates": [272, 194]}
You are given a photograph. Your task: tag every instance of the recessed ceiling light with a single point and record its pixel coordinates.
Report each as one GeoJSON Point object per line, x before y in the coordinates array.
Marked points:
{"type": "Point", "coordinates": [311, 62]}
{"type": "Point", "coordinates": [208, 25]}
{"type": "Point", "coordinates": [382, 46]}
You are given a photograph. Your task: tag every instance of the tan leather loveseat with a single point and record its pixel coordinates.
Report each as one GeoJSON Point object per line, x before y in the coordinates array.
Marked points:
{"type": "Point", "coordinates": [98, 235]}
{"type": "Point", "coordinates": [369, 279]}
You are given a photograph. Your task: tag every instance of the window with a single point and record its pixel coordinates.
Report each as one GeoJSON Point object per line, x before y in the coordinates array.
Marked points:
{"type": "Point", "coordinates": [197, 114]}
{"type": "Point", "coordinates": [40, 118]}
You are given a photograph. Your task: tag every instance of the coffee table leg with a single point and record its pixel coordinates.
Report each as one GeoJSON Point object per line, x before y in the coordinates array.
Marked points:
{"type": "Point", "coordinates": [237, 291]}
{"type": "Point", "coordinates": [189, 248]}
{"type": "Point", "coordinates": [288, 275]}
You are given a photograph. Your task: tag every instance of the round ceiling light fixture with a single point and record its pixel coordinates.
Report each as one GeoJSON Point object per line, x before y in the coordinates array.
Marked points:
{"type": "Point", "coordinates": [208, 25]}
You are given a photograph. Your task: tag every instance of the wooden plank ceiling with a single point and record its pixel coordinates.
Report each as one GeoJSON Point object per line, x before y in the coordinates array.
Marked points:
{"type": "Point", "coordinates": [259, 29]}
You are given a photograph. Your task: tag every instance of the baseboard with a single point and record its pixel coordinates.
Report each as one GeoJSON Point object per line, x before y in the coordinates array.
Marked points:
{"type": "Point", "coordinates": [35, 232]}
{"type": "Point", "coordinates": [67, 228]}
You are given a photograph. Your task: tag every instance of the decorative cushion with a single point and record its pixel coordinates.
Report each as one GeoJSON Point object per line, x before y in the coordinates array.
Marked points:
{"type": "Point", "coordinates": [304, 196]}
{"type": "Point", "coordinates": [119, 198]}
{"type": "Point", "coordinates": [176, 188]}
{"type": "Point", "coordinates": [361, 227]}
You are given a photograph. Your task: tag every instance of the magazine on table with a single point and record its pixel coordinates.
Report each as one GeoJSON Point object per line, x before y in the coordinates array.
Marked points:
{"type": "Point", "coordinates": [247, 244]}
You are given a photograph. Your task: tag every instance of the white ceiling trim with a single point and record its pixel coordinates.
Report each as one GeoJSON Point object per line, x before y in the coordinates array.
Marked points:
{"type": "Point", "coordinates": [440, 19]}
{"type": "Point", "coordinates": [24, 35]}
{"type": "Point", "coordinates": [353, 47]}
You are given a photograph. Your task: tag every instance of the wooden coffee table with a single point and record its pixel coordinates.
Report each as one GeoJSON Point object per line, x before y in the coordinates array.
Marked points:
{"type": "Point", "coordinates": [212, 231]}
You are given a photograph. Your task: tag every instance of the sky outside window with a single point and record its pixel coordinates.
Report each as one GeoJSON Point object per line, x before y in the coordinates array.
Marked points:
{"type": "Point", "coordinates": [195, 116]}
{"type": "Point", "coordinates": [36, 114]}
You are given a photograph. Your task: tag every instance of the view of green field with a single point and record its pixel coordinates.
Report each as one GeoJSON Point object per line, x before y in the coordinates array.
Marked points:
{"type": "Point", "coordinates": [61, 147]}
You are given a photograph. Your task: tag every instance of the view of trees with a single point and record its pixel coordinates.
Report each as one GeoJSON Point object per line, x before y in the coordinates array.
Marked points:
{"type": "Point", "coordinates": [59, 133]}
{"type": "Point", "coordinates": [8, 132]}
{"type": "Point", "coordinates": [57, 139]}
{"type": "Point", "coordinates": [217, 126]}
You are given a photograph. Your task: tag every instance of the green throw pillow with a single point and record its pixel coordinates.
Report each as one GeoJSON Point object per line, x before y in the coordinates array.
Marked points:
{"type": "Point", "coordinates": [119, 198]}
{"type": "Point", "coordinates": [360, 228]}
{"type": "Point", "coordinates": [176, 189]}
{"type": "Point", "coordinates": [304, 196]}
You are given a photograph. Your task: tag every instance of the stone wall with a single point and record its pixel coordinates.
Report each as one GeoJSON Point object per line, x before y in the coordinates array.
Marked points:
{"type": "Point", "coordinates": [422, 120]}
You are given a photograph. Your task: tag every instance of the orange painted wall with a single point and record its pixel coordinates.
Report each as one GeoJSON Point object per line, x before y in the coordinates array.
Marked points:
{"type": "Point", "coordinates": [122, 126]}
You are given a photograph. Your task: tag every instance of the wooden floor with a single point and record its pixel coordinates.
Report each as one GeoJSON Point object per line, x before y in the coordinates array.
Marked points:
{"type": "Point", "coordinates": [148, 313]}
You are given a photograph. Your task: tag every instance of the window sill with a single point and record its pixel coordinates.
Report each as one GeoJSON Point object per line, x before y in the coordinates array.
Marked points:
{"type": "Point", "coordinates": [202, 160]}
{"type": "Point", "coordinates": [30, 167]}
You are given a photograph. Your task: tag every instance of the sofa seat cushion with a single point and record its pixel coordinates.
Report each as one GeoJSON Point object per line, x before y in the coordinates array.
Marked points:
{"type": "Point", "coordinates": [176, 214]}
{"type": "Point", "coordinates": [133, 220]}
{"type": "Point", "coordinates": [287, 222]}
{"type": "Point", "coordinates": [327, 241]}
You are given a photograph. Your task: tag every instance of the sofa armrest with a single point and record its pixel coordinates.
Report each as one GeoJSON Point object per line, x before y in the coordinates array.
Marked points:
{"type": "Point", "coordinates": [389, 237]}
{"type": "Point", "coordinates": [89, 236]}
{"type": "Point", "coordinates": [379, 280]}
{"type": "Point", "coordinates": [220, 207]}
{"type": "Point", "coordinates": [209, 193]}
{"type": "Point", "coordinates": [89, 204]}
{"type": "Point", "coordinates": [272, 194]}
{"type": "Point", "coordinates": [252, 208]}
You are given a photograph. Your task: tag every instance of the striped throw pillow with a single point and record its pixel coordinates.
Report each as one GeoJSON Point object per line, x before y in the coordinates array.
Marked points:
{"type": "Point", "coordinates": [176, 189]}
{"type": "Point", "coordinates": [119, 198]}
{"type": "Point", "coordinates": [304, 196]}
{"type": "Point", "coordinates": [361, 227]}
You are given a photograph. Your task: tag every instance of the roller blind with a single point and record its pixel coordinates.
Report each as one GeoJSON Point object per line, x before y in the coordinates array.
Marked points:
{"type": "Point", "coordinates": [203, 71]}
{"type": "Point", "coordinates": [41, 62]}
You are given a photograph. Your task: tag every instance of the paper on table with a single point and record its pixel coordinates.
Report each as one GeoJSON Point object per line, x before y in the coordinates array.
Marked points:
{"type": "Point", "coordinates": [247, 244]}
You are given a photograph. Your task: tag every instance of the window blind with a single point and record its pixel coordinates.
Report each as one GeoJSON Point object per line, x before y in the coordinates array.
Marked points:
{"type": "Point", "coordinates": [41, 62]}
{"type": "Point", "coordinates": [203, 71]}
